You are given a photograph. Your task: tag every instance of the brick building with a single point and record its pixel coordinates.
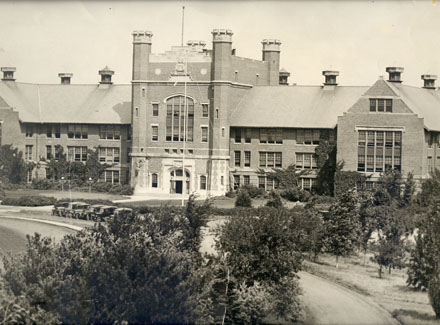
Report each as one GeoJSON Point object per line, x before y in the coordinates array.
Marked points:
{"type": "Point", "coordinates": [239, 116]}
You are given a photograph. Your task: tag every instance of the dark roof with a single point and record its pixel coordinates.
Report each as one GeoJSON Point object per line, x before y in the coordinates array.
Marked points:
{"type": "Point", "coordinates": [68, 103]}
{"type": "Point", "coordinates": [294, 106]}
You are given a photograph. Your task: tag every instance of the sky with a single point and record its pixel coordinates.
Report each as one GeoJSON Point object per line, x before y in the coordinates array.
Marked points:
{"type": "Point", "coordinates": [358, 38]}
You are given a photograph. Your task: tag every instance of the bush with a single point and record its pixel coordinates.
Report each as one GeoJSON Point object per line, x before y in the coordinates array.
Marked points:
{"type": "Point", "coordinates": [434, 294]}
{"type": "Point", "coordinates": [230, 194]}
{"type": "Point", "coordinates": [112, 188]}
{"type": "Point", "coordinates": [43, 184]}
{"type": "Point", "coordinates": [253, 191]}
{"type": "Point", "coordinates": [295, 194]}
{"type": "Point", "coordinates": [30, 201]}
{"type": "Point", "coordinates": [274, 200]}
{"type": "Point", "coordinates": [243, 200]}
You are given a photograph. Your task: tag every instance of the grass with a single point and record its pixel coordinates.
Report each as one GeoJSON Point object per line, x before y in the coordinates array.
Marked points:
{"type": "Point", "coordinates": [64, 194]}
{"type": "Point", "coordinates": [407, 305]}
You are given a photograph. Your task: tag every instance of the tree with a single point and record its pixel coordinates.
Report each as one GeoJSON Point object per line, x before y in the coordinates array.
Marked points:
{"type": "Point", "coordinates": [347, 180]}
{"type": "Point", "coordinates": [259, 251]}
{"type": "Point", "coordinates": [95, 168]}
{"type": "Point", "coordinates": [13, 168]}
{"type": "Point", "coordinates": [342, 225]}
{"type": "Point", "coordinates": [325, 156]}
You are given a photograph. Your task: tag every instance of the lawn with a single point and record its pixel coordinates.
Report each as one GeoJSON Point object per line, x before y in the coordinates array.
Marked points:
{"type": "Point", "coordinates": [407, 305]}
{"type": "Point", "coordinates": [74, 195]}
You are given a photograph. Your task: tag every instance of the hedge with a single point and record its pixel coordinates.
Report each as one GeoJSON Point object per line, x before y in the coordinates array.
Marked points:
{"type": "Point", "coordinates": [30, 201]}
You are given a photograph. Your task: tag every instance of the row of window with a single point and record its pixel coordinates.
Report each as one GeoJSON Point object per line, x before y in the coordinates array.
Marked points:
{"type": "Point", "coordinates": [275, 136]}
{"type": "Point", "coordinates": [381, 105]}
{"type": "Point", "coordinates": [79, 153]}
{"type": "Point", "coordinates": [267, 159]}
{"type": "Point", "coordinates": [181, 99]}
{"type": "Point", "coordinates": [269, 183]}
{"type": "Point", "coordinates": [179, 136]}
{"type": "Point", "coordinates": [110, 176]}
{"type": "Point", "coordinates": [379, 150]}
{"type": "Point", "coordinates": [78, 131]}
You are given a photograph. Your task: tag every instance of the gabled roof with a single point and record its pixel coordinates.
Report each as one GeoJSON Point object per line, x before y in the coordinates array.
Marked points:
{"type": "Point", "coordinates": [68, 103]}
{"type": "Point", "coordinates": [423, 102]}
{"type": "Point", "coordinates": [294, 106]}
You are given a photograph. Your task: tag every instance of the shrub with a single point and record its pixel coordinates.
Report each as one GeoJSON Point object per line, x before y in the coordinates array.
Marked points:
{"type": "Point", "coordinates": [243, 200]}
{"type": "Point", "coordinates": [30, 201]}
{"type": "Point", "coordinates": [295, 194]}
{"type": "Point", "coordinates": [43, 184]}
{"type": "Point", "coordinates": [230, 194]}
{"type": "Point", "coordinates": [274, 200]}
{"type": "Point", "coordinates": [113, 188]}
{"type": "Point", "coordinates": [434, 294]}
{"type": "Point", "coordinates": [253, 191]}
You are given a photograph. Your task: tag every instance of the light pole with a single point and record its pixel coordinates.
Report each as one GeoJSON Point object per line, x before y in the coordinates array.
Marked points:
{"type": "Point", "coordinates": [62, 184]}
{"type": "Point", "coordinates": [90, 185]}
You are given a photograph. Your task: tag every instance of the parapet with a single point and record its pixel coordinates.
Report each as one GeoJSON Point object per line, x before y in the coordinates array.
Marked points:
{"type": "Point", "coordinates": [222, 35]}
{"type": "Point", "coordinates": [272, 45]}
{"type": "Point", "coordinates": [142, 37]}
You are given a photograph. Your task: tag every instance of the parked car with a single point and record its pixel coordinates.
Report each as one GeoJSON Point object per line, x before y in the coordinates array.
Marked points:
{"type": "Point", "coordinates": [58, 208]}
{"type": "Point", "coordinates": [76, 210]}
{"type": "Point", "coordinates": [91, 213]}
{"type": "Point", "coordinates": [122, 211]}
{"type": "Point", "coordinates": [104, 212]}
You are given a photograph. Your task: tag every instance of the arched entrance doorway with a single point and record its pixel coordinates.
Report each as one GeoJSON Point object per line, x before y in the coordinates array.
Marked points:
{"type": "Point", "coordinates": [178, 183]}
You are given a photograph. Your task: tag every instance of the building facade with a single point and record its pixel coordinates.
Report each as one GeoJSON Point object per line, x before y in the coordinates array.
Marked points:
{"type": "Point", "coordinates": [206, 120]}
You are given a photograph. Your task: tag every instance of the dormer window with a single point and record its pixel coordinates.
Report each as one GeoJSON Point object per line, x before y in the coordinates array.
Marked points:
{"type": "Point", "coordinates": [381, 105]}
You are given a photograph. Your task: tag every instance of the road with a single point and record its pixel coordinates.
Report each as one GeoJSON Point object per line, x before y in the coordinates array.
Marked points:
{"type": "Point", "coordinates": [328, 303]}
{"type": "Point", "coordinates": [13, 233]}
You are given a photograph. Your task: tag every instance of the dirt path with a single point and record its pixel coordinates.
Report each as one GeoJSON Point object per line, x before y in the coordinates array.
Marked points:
{"type": "Point", "coordinates": [328, 303]}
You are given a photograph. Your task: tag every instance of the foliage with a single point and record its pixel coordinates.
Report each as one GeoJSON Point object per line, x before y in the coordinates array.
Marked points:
{"type": "Point", "coordinates": [253, 191]}
{"type": "Point", "coordinates": [430, 189]}
{"type": "Point", "coordinates": [112, 188]}
{"type": "Point", "coordinates": [43, 184]}
{"type": "Point", "coordinates": [434, 294]}
{"type": "Point", "coordinates": [408, 191]}
{"type": "Point", "coordinates": [347, 180]}
{"type": "Point", "coordinates": [13, 168]}
{"type": "Point", "coordinates": [325, 156]}
{"type": "Point", "coordinates": [138, 256]}
{"type": "Point", "coordinates": [260, 251]}
{"type": "Point", "coordinates": [30, 201]}
{"type": "Point", "coordinates": [243, 200]}
{"type": "Point", "coordinates": [274, 200]}
{"type": "Point", "coordinates": [421, 263]}
{"type": "Point", "coordinates": [342, 225]}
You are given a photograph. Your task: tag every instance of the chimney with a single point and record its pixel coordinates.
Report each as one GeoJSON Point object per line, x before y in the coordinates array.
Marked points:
{"type": "Point", "coordinates": [106, 75]}
{"type": "Point", "coordinates": [271, 55]}
{"type": "Point", "coordinates": [65, 78]}
{"type": "Point", "coordinates": [394, 74]}
{"type": "Point", "coordinates": [8, 73]}
{"type": "Point", "coordinates": [429, 81]}
{"type": "Point", "coordinates": [330, 77]}
{"type": "Point", "coordinates": [284, 76]}
{"type": "Point", "coordinates": [197, 46]}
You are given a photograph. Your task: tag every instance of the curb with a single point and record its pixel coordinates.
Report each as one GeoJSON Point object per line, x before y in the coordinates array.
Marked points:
{"type": "Point", "coordinates": [53, 223]}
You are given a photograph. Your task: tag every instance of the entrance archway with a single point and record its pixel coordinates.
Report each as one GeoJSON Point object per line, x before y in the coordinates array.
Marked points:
{"type": "Point", "coordinates": [178, 183]}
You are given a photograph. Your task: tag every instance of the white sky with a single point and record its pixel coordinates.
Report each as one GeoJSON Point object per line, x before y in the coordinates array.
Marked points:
{"type": "Point", "coordinates": [358, 38]}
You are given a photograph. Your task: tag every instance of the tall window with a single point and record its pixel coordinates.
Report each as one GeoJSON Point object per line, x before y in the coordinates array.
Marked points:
{"type": "Point", "coordinates": [247, 159]}
{"type": "Point", "coordinates": [28, 152]}
{"type": "Point", "coordinates": [236, 182]}
{"type": "Point", "coordinates": [175, 120]}
{"type": "Point", "coordinates": [379, 150]}
{"type": "Point", "coordinates": [154, 182]}
{"type": "Point", "coordinates": [77, 153]}
{"type": "Point", "coordinates": [203, 182]}
{"type": "Point", "coordinates": [270, 159]}
{"type": "Point", "coordinates": [247, 135]}
{"type": "Point", "coordinates": [271, 136]}
{"type": "Point", "coordinates": [57, 131]}
{"type": "Point", "coordinates": [49, 152]}
{"type": "Point", "coordinates": [155, 109]}
{"type": "Point", "coordinates": [29, 131]}
{"type": "Point", "coordinates": [154, 133]}
{"type": "Point", "coordinates": [237, 158]}
{"type": "Point", "coordinates": [246, 180]}
{"type": "Point", "coordinates": [237, 135]}
{"type": "Point", "coordinates": [205, 110]}
{"type": "Point", "coordinates": [77, 131]}
{"type": "Point", "coordinates": [204, 134]}
{"type": "Point", "coordinates": [48, 131]}
{"type": "Point", "coordinates": [109, 155]}
{"type": "Point", "coordinates": [305, 161]}
{"type": "Point", "coordinates": [110, 132]}
{"type": "Point", "coordinates": [381, 105]}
